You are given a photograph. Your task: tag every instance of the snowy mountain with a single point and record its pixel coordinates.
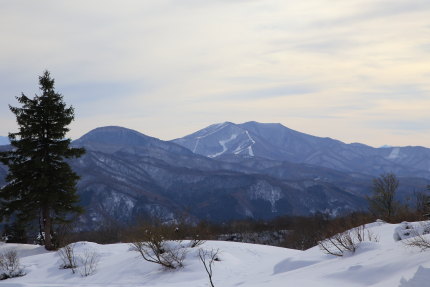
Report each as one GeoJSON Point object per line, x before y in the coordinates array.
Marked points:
{"type": "Point", "coordinates": [127, 175]}
{"type": "Point", "coordinates": [277, 142]}
{"type": "Point", "coordinates": [112, 139]}
{"type": "Point", "coordinates": [4, 140]}
{"type": "Point", "coordinates": [219, 139]}
{"type": "Point", "coordinates": [385, 263]}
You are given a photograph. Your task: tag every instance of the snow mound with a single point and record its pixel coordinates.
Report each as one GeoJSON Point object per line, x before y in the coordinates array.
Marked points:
{"type": "Point", "coordinates": [406, 230]}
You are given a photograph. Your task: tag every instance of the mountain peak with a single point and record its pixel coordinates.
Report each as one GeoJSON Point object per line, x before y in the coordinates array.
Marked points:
{"type": "Point", "coordinates": [111, 129]}
{"type": "Point", "coordinates": [272, 141]}
{"type": "Point", "coordinates": [263, 124]}
{"type": "Point", "coordinates": [112, 138]}
{"type": "Point", "coordinates": [113, 134]}
{"type": "Point", "coordinates": [238, 139]}
{"type": "Point", "coordinates": [386, 146]}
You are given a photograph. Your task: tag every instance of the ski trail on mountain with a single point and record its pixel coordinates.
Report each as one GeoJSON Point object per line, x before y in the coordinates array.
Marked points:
{"type": "Point", "coordinates": [250, 151]}
{"type": "Point", "coordinates": [217, 129]}
{"type": "Point", "coordinates": [224, 147]}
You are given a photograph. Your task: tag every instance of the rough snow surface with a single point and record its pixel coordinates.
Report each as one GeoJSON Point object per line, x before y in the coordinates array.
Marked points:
{"type": "Point", "coordinates": [407, 230]}
{"type": "Point", "coordinates": [387, 263]}
{"type": "Point", "coordinates": [420, 279]}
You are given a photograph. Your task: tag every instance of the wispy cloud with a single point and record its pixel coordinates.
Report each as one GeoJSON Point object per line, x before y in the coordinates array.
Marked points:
{"type": "Point", "coordinates": [265, 93]}
{"type": "Point", "coordinates": [365, 11]}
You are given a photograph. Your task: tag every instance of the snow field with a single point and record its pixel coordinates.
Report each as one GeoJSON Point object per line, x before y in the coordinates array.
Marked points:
{"type": "Point", "coordinates": [385, 263]}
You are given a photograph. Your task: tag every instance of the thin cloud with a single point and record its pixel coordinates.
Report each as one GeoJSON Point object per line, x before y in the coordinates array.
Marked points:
{"type": "Point", "coordinates": [374, 10]}
{"type": "Point", "coordinates": [167, 67]}
{"type": "Point", "coordinates": [267, 93]}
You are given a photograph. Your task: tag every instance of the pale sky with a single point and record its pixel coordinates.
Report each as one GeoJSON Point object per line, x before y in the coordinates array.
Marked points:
{"type": "Point", "coordinates": [353, 70]}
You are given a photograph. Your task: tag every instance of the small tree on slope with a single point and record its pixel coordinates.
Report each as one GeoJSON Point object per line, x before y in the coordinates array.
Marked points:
{"type": "Point", "coordinates": [383, 203]}
{"type": "Point", "coordinates": [40, 184]}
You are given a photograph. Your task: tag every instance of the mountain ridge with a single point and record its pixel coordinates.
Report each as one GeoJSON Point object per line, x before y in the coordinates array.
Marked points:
{"type": "Point", "coordinates": [145, 175]}
{"type": "Point", "coordinates": [277, 142]}
{"type": "Point", "coordinates": [126, 175]}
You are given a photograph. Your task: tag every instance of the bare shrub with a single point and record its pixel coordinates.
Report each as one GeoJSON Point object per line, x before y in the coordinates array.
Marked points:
{"type": "Point", "coordinates": [347, 241]}
{"type": "Point", "coordinates": [420, 241]}
{"type": "Point", "coordinates": [153, 247]}
{"type": "Point", "coordinates": [67, 256]}
{"type": "Point", "coordinates": [196, 241]}
{"type": "Point", "coordinates": [175, 255]}
{"type": "Point", "coordinates": [208, 259]}
{"type": "Point", "coordinates": [88, 262]}
{"type": "Point", "coordinates": [9, 264]}
{"type": "Point", "coordinates": [171, 257]}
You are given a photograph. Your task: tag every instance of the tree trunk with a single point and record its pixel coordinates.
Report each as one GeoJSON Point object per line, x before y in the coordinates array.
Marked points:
{"type": "Point", "coordinates": [47, 228]}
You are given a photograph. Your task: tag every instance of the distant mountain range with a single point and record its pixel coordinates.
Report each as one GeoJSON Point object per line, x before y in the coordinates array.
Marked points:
{"type": "Point", "coordinates": [232, 171]}
{"type": "Point", "coordinates": [4, 140]}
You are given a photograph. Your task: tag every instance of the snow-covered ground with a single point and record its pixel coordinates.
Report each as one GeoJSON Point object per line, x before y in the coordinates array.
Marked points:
{"type": "Point", "coordinates": [384, 263]}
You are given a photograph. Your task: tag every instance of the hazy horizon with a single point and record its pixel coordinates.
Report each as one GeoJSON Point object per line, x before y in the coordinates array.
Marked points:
{"type": "Point", "coordinates": [387, 145]}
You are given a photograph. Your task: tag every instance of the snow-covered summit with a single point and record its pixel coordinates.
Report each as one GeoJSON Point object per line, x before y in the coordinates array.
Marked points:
{"type": "Point", "coordinates": [274, 141]}
{"type": "Point", "coordinates": [265, 140]}
{"type": "Point", "coordinates": [234, 139]}
{"type": "Point", "coordinates": [219, 139]}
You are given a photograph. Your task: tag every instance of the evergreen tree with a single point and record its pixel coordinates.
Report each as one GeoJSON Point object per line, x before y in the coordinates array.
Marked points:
{"type": "Point", "coordinates": [40, 183]}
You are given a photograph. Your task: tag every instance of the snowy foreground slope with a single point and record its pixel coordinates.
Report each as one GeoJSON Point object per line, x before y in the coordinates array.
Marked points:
{"type": "Point", "coordinates": [384, 263]}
